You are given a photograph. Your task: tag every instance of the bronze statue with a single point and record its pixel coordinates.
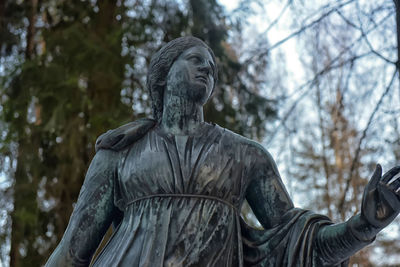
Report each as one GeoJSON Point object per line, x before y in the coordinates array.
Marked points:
{"type": "Point", "coordinates": [173, 188]}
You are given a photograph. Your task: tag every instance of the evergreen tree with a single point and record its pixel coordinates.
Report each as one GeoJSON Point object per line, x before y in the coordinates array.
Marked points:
{"type": "Point", "coordinates": [74, 70]}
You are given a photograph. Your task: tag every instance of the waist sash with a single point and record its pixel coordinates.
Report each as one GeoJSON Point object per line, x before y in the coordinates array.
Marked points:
{"type": "Point", "coordinates": [184, 196]}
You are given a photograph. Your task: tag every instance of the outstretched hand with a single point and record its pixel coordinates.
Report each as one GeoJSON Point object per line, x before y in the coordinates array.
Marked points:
{"type": "Point", "coordinates": [381, 199]}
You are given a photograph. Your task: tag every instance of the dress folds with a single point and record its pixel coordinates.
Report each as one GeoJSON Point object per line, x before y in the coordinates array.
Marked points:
{"type": "Point", "coordinates": [180, 198]}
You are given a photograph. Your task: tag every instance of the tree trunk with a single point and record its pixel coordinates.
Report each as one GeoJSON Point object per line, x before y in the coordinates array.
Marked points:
{"type": "Point", "coordinates": [24, 214]}
{"type": "Point", "coordinates": [30, 37]}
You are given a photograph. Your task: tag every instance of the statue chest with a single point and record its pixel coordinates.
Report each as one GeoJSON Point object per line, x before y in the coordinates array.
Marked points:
{"type": "Point", "coordinates": [181, 165]}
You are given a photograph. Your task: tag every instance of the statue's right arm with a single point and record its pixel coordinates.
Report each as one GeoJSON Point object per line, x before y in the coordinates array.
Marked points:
{"type": "Point", "coordinates": [92, 215]}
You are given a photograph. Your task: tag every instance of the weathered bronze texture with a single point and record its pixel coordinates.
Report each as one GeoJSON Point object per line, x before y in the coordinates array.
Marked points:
{"type": "Point", "coordinates": [173, 187]}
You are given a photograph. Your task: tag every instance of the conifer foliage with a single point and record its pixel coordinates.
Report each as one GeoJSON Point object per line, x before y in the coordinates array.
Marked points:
{"type": "Point", "coordinates": [69, 71]}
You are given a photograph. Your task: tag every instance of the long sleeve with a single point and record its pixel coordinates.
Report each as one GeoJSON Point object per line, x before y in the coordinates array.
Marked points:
{"type": "Point", "coordinates": [337, 242]}
{"type": "Point", "coordinates": [266, 194]}
{"type": "Point", "coordinates": [291, 236]}
{"type": "Point", "coordinates": [92, 214]}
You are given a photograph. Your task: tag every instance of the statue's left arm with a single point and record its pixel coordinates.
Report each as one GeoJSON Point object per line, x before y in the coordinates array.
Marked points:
{"type": "Point", "coordinates": [266, 193]}
{"type": "Point", "coordinates": [380, 206]}
{"type": "Point", "coordinates": [333, 243]}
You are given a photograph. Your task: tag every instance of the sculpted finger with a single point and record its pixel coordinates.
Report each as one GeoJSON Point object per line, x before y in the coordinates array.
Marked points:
{"type": "Point", "coordinates": [389, 197]}
{"type": "Point", "coordinates": [376, 177]}
{"type": "Point", "coordinates": [391, 174]}
{"type": "Point", "coordinates": [394, 185]}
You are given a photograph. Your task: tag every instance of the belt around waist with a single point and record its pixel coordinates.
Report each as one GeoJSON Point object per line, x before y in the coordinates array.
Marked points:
{"type": "Point", "coordinates": [183, 196]}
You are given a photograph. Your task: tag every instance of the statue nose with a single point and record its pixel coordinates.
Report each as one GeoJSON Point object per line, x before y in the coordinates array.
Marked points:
{"type": "Point", "coordinates": [206, 68]}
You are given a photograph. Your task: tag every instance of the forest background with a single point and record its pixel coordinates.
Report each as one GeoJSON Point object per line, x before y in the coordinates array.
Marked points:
{"type": "Point", "coordinates": [316, 82]}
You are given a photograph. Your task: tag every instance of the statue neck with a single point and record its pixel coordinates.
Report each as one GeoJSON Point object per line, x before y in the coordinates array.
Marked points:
{"type": "Point", "coordinates": [181, 116]}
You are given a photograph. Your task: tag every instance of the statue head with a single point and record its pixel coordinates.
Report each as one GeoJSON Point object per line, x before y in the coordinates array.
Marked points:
{"type": "Point", "coordinates": [163, 60]}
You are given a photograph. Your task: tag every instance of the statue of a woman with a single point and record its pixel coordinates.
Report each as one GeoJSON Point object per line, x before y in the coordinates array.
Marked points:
{"type": "Point", "coordinates": [174, 186]}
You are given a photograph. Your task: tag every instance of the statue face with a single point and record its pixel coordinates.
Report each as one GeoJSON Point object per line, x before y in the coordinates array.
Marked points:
{"type": "Point", "coordinates": [191, 75]}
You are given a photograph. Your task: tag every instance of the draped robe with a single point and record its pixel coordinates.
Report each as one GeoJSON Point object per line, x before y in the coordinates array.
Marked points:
{"type": "Point", "coordinates": [176, 202]}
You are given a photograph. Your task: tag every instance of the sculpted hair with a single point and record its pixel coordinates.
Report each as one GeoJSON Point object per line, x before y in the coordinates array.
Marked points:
{"type": "Point", "coordinates": [160, 65]}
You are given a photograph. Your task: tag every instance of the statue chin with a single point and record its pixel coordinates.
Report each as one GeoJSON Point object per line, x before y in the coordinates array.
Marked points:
{"type": "Point", "coordinates": [198, 93]}
{"type": "Point", "coordinates": [195, 92]}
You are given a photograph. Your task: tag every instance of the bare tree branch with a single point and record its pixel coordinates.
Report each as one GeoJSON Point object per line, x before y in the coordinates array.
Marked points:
{"type": "Point", "coordinates": [365, 37]}
{"type": "Point", "coordinates": [309, 85]}
{"type": "Point", "coordinates": [324, 149]}
{"type": "Point", "coordinates": [296, 33]}
{"type": "Point", "coordinates": [275, 21]}
{"type": "Point", "coordinates": [360, 142]}
{"type": "Point", "coordinates": [327, 68]}
{"type": "Point", "coordinates": [376, 52]}
{"type": "Point", "coordinates": [347, 20]}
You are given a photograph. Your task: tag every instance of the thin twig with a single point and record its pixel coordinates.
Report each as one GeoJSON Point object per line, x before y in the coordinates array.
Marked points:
{"type": "Point", "coordinates": [365, 37]}
{"type": "Point", "coordinates": [364, 134]}
{"type": "Point", "coordinates": [275, 21]}
{"type": "Point", "coordinates": [309, 84]}
{"type": "Point", "coordinates": [326, 69]}
{"type": "Point", "coordinates": [294, 34]}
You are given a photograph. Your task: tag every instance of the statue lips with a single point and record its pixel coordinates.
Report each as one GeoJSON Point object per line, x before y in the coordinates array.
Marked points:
{"type": "Point", "coordinates": [202, 79]}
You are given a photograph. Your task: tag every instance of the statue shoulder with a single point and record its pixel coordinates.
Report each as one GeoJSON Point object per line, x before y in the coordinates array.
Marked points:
{"type": "Point", "coordinates": [242, 141]}
{"type": "Point", "coordinates": [254, 153]}
{"type": "Point", "coordinates": [121, 137]}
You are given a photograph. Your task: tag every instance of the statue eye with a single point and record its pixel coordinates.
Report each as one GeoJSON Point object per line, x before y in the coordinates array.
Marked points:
{"type": "Point", "coordinates": [195, 59]}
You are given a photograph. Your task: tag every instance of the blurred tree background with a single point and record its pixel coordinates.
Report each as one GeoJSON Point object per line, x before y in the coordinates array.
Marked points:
{"type": "Point", "coordinates": [70, 70]}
